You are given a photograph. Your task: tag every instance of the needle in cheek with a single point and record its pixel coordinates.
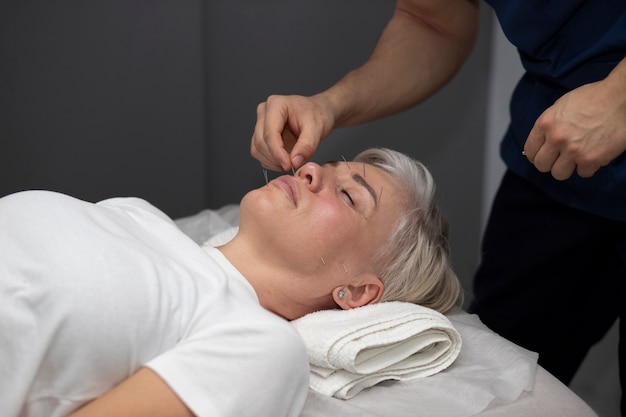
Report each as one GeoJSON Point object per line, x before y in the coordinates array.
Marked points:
{"type": "Point", "coordinates": [344, 265]}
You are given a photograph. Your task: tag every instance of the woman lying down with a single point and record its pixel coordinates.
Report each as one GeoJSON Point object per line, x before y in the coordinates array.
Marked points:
{"type": "Point", "coordinates": [109, 309]}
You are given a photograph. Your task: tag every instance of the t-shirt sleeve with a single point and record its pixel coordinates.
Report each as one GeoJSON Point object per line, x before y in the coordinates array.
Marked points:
{"type": "Point", "coordinates": [258, 369]}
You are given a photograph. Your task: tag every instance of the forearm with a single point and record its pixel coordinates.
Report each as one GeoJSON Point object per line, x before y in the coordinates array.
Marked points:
{"type": "Point", "coordinates": [616, 83]}
{"type": "Point", "coordinates": [421, 49]}
{"type": "Point", "coordinates": [143, 394]}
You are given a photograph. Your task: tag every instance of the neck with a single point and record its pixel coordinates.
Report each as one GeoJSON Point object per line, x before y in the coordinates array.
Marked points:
{"type": "Point", "coordinates": [275, 283]}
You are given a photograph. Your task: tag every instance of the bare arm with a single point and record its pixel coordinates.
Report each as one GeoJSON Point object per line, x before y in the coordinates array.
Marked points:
{"type": "Point", "coordinates": [421, 49]}
{"type": "Point", "coordinates": [582, 131]}
{"type": "Point", "coordinates": [144, 394]}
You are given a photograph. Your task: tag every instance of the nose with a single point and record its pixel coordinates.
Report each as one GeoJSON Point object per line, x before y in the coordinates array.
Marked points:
{"type": "Point", "coordinates": [313, 174]}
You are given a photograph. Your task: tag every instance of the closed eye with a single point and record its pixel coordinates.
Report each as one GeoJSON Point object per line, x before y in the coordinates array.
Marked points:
{"type": "Point", "coordinates": [344, 191]}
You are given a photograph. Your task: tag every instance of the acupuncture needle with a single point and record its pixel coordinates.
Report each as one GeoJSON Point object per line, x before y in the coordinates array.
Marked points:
{"type": "Point", "coordinates": [344, 160]}
{"type": "Point", "coordinates": [267, 183]}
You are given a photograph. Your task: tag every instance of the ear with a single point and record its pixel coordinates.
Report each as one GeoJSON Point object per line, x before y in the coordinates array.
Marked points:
{"type": "Point", "coordinates": [367, 289]}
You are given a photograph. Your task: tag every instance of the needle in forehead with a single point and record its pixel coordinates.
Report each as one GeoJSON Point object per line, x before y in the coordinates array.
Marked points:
{"type": "Point", "coordinates": [361, 181]}
{"type": "Point", "coordinates": [267, 183]}
{"type": "Point", "coordinates": [344, 160]}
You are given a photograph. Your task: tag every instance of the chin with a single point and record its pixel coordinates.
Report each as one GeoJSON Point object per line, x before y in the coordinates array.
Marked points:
{"type": "Point", "coordinates": [258, 207]}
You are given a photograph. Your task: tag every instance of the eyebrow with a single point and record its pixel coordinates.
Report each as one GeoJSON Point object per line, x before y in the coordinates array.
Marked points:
{"type": "Point", "coordinates": [361, 181]}
{"type": "Point", "coordinates": [358, 178]}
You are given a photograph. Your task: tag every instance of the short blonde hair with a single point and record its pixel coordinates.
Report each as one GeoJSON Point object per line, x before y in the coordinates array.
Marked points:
{"type": "Point", "coordinates": [414, 264]}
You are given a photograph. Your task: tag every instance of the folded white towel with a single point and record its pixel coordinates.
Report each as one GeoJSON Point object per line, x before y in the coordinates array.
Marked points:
{"type": "Point", "coordinates": [350, 350]}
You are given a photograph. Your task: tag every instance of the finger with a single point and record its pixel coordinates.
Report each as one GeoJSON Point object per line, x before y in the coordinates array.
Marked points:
{"type": "Point", "coordinates": [265, 162]}
{"type": "Point", "coordinates": [305, 147]}
{"type": "Point", "coordinates": [563, 168]}
{"type": "Point", "coordinates": [261, 147]}
{"type": "Point", "coordinates": [545, 158]}
{"type": "Point", "coordinates": [534, 142]}
{"type": "Point", "coordinates": [258, 147]}
{"type": "Point", "coordinates": [274, 122]}
{"type": "Point", "coordinates": [279, 157]}
{"type": "Point", "coordinates": [587, 171]}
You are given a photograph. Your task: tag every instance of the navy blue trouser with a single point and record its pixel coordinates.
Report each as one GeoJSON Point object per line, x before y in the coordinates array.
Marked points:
{"type": "Point", "coordinates": [552, 279]}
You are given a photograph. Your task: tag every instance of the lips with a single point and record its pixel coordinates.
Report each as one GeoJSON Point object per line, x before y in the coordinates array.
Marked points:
{"type": "Point", "coordinates": [288, 184]}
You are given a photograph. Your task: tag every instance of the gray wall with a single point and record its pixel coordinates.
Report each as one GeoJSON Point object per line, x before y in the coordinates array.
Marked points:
{"type": "Point", "coordinates": [104, 98]}
{"type": "Point", "coordinates": [157, 99]}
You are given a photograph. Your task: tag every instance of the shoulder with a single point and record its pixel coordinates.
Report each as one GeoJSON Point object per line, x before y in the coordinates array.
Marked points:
{"type": "Point", "coordinates": [134, 205]}
{"type": "Point", "coordinates": [36, 199]}
{"type": "Point", "coordinates": [283, 341]}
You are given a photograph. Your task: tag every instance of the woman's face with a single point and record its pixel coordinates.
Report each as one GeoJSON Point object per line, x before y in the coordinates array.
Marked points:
{"type": "Point", "coordinates": [331, 219]}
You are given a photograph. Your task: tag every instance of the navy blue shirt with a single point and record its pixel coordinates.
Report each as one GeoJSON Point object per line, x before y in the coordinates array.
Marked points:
{"type": "Point", "coordinates": [563, 44]}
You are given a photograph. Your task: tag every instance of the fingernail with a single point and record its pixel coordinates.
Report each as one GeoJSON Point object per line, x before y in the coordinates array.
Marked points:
{"type": "Point", "coordinates": [297, 161]}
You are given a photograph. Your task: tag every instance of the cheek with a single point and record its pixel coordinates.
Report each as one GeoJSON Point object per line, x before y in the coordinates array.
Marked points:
{"type": "Point", "coordinates": [336, 225]}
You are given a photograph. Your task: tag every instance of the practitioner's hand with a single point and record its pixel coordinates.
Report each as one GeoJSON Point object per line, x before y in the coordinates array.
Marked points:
{"type": "Point", "coordinates": [289, 129]}
{"type": "Point", "coordinates": [583, 131]}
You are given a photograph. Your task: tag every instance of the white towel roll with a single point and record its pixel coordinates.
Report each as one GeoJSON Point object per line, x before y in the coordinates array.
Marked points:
{"type": "Point", "coordinates": [350, 350]}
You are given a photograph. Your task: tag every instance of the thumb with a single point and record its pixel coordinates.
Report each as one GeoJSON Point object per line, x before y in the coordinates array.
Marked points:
{"type": "Point", "coordinates": [305, 147]}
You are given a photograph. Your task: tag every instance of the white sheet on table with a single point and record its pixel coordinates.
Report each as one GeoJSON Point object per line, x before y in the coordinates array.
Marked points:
{"type": "Point", "coordinates": [208, 223]}
{"type": "Point", "coordinates": [489, 367]}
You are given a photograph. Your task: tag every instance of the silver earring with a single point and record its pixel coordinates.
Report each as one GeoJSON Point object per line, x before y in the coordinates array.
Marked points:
{"type": "Point", "coordinates": [341, 294]}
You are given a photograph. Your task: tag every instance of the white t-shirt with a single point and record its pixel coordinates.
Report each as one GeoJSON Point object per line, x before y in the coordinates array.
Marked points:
{"type": "Point", "coordinates": [89, 293]}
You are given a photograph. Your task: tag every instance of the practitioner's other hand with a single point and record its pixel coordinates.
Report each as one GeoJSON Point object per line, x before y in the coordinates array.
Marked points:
{"type": "Point", "coordinates": [581, 132]}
